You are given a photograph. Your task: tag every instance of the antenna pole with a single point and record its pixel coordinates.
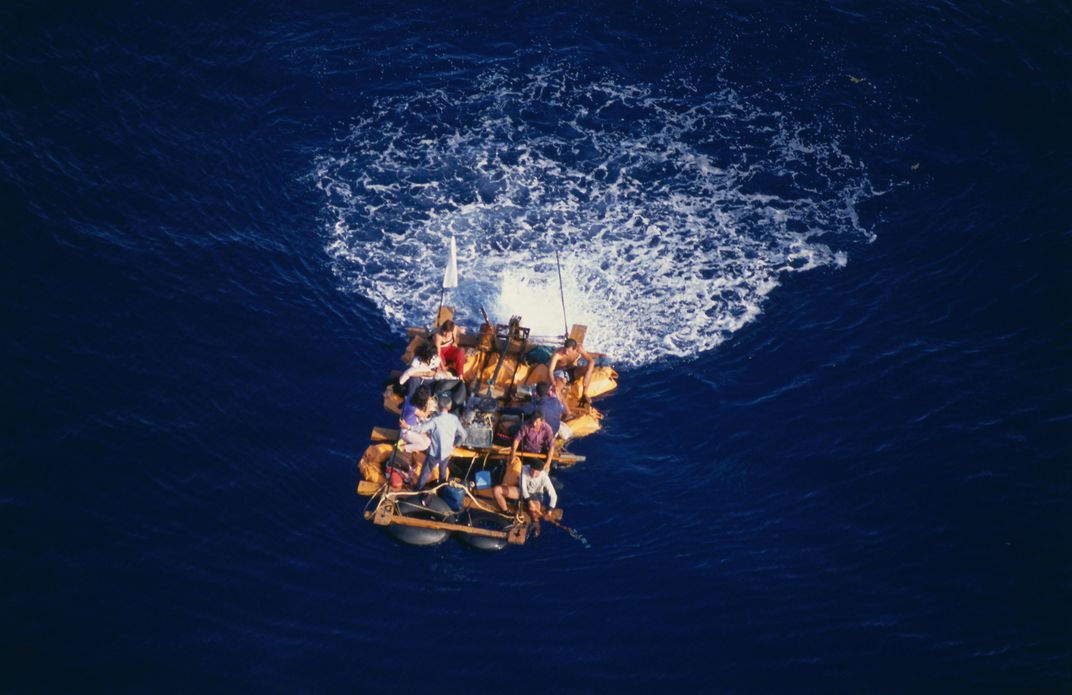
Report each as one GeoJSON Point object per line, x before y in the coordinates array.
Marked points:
{"type": "Point", "coordinates": [562, 295]}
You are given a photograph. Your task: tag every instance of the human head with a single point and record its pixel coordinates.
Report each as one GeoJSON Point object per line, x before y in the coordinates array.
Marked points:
{"type": "Point", "coordinates": [542, 389]}
{"type": "Point", "coordinates": [420, 397]}
{"type": "Point", "coordinates": [447, 326]}
{"type": "Point", "coordinates": [425, 352]}
{"type": "Point", "coordinates": [444, 402]}
{"type": "Point", "coordinates": [537, 465]}
{"type": "Point", "coordinates": [570, 345]}
{"type": "Point", "coordinates": [536, 418]}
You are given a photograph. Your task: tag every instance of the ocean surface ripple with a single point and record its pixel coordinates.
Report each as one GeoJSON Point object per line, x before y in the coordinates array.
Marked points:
{"type": "Point", "coordinates": [826, 244]}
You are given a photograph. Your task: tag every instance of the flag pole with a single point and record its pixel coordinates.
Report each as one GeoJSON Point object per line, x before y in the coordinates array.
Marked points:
{"type": "Point", "coordinates": [450, 279]}
{"type": "Point", "coordinates": [562, 295]}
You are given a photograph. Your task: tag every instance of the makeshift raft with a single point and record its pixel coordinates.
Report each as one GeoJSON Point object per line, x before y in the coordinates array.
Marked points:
{"type": "Point", "coordinates": [500, 372]}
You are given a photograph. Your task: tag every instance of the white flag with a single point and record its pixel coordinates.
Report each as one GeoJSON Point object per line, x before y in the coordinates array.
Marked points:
{"type": "Point", "coordinates": [450, 276]}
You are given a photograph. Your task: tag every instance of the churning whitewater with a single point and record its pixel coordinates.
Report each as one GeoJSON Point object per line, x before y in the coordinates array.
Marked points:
{"type": "Point", "coordinates": [675, 209]}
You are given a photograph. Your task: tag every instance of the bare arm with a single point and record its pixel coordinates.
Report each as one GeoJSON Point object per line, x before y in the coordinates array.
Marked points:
{"type": "Point", "coordinates": [551, 493]}
{"type": "Point", "coordinates": [587, 373]}
{"type": "Point", "coordinates": [514, 445]}
{"type": "Point", "coordinates": [552, 364]}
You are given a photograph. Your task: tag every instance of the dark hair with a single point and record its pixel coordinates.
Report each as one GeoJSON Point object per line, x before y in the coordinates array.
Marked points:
{"type": "Point", "coordinates": [447, 325]}
{"type": "Point", "coordinates": [420, 397]}
{"type": "Point", "coordinates": [542, 388]}
{"type": "Point", "coordinates": [538, 415]}
{"type": "Point", "coordinates": [570, 343]}
{"type": "Point", "coordinates": [425, 352]}
{"type": "Point", "coordinates": [537, 464]}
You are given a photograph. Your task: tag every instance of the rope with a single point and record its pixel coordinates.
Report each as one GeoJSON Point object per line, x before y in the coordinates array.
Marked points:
{"type": "Point", "coordinates": [373, 496]}
{"type": "Point", "coordinates": [574, 533]}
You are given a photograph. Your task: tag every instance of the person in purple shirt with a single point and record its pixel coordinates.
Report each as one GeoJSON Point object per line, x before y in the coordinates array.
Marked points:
{"type": "Point", "coordinates": [415, 410]}
{"type": "Point", "coordinates": [535, 437]}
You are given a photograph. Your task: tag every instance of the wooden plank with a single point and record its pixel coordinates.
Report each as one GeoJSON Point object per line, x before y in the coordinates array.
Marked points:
{"type": "Point", "coordinates": [386, 434]}
{"type": "Point", "coordinates": [577, 332]}
{"type": "Point", "coordinates": [367, 489]}
{"type": "Point", "coordinates": [446, 526]}
{"type": "Point", "coordinates": [407, 356]}
{"type": "Point", "coordinates": [561, 458]}
{"type": "Point", "coordinates": [445, 312]}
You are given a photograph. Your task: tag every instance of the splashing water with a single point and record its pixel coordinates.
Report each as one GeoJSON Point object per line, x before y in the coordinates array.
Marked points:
{"type": "Point", "coordinates": [674, 211]}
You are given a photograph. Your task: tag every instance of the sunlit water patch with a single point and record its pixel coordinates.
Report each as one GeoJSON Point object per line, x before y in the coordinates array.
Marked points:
{"type": "Point", "coordinates": [675, 211]}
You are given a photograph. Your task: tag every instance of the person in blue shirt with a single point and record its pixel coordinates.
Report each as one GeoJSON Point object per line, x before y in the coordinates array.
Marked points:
{"type": "Point", "coordinates": [552, 409]}
{"type": "Point", "coordinates": [446, 432]}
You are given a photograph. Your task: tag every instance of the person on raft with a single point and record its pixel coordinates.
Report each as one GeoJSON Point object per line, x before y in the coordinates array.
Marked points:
{"type": "Point", "coordinates": [446, 432]}
{"type": "Point", "coordinates": [446, 345]}
{"type": "Point", "coordinates": [564, 369]}
{"type": "Point", "coordinates": [552, 409]}
{"type": "Point", "coordinates": [415, 410]}
{"type": "Point", "coordinates": [534, 437]}
{"type": "Point", "coordinates": [426, 369]}
{"type": "Point", "coordinates": [530, 488]}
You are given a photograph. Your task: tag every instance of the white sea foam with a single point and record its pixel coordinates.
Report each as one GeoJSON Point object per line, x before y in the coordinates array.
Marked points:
{"type": "Point", "coordinates": [675, 212]}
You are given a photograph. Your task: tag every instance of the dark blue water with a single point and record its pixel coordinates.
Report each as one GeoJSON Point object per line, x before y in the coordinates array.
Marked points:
{"type": "Point", "coordinates": [828, 243]}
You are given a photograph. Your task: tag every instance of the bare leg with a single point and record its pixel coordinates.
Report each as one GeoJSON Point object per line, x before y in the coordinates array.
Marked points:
{"type": "Point", "coordinates": [501, 492]}
{"type": "Point", "coordinates": [536, 512]}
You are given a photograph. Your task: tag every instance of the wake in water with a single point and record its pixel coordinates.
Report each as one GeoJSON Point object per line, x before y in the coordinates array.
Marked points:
{"type": "Point", "coordinates": [675, 211]}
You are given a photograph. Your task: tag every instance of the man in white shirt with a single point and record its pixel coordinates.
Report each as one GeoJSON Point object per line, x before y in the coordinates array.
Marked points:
{"type": "Point", "coordinates": [530, 489]}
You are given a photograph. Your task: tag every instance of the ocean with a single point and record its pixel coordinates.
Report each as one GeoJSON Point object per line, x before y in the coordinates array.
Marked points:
{"type": "Point", "coordinates": [827, 245]}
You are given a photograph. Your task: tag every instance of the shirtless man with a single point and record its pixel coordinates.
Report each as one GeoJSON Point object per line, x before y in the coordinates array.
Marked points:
{"type": "Point", "coordinates": [563, 369]}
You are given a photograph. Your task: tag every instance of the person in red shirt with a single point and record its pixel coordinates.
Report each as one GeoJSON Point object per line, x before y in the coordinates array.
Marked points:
{"type": "Point", "coordinates": [446, 343]}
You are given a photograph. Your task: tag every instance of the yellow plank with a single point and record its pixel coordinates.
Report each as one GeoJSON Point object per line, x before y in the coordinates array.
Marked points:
{"type": "Point", "coordinates": [366, 488]}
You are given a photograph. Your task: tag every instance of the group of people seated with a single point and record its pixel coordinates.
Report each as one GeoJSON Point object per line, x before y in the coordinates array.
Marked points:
{"type": "Point", "coordinates": [427, 368]}
{"type": "Point", "coordinates": [435, 386]}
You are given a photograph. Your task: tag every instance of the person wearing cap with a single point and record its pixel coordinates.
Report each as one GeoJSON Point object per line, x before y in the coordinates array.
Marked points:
{"type": "Point", "coordinates": [446, 432]}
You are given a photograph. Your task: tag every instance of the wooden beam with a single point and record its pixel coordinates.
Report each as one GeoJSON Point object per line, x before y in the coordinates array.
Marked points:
{"type": "Point", "coordinates": [577, 332]}
{"type": "Point", "coordinates": [445, 312]}
{"type": "Point", "coordinates": [445, 526]}
{"type": "Point", "coordinates": [387, 434]}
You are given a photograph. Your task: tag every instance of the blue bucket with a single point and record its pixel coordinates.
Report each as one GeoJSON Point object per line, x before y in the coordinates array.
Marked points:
{"type": "Point", "coordinates": [482, 480]}
{"type": "Point", "coordinates": [453, 496]}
